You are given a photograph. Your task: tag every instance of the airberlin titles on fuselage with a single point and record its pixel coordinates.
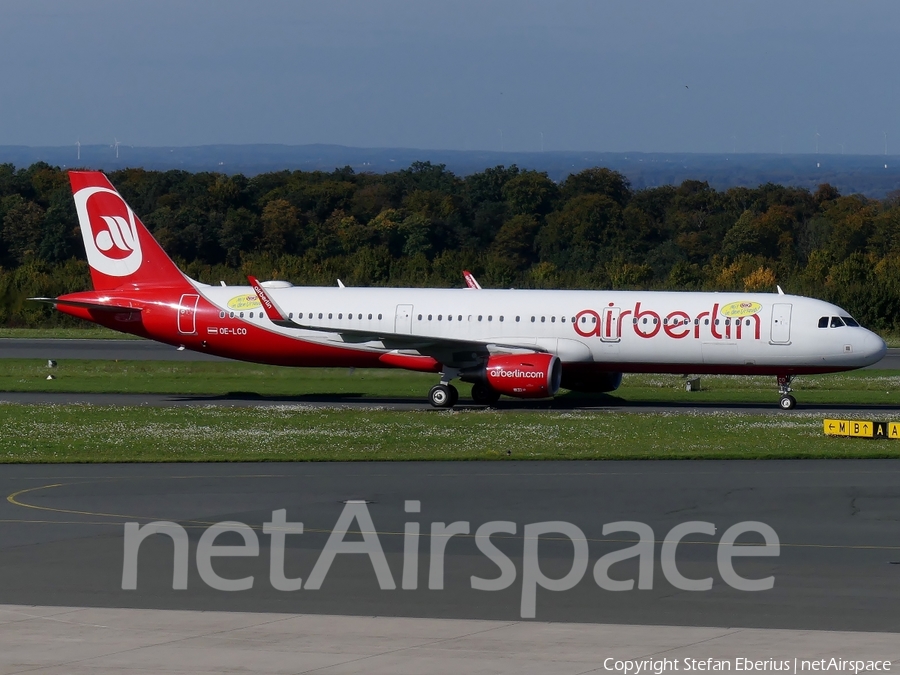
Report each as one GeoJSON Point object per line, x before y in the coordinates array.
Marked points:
{"type": "Point", "coordinates": [736, 320]}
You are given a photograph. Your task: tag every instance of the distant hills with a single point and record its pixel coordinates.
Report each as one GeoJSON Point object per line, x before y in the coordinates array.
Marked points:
{"type": "Point", "coordinates": [871, 175]}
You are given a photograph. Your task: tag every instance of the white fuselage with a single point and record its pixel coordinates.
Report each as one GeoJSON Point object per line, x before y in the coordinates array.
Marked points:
{"type": "Point", "coordinates": [631, 330]}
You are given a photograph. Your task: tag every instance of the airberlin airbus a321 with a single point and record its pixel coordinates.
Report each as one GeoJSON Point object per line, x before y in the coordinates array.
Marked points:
{"type": "Point", "coordinates": [521, 343]}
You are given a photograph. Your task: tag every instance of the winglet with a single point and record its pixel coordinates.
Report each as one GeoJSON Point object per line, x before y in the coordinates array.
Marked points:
{"type": "Point", "coordinates": [471, 282]}
{"type": "Point", "coordinates": [274, 312]}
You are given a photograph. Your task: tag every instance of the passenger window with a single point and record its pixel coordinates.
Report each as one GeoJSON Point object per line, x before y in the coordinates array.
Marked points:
{"type": "Point", "coordinates": [836, 322]}
{"type": "Point", "coordinates": [501, 318]}
{"type": "Point", "coordinates": [420, 317]}
{"type": "Point", "coordinates": [449, 317]}
{"type": "Point", "coordinates": [517, 319]}
{"type": "Point", "coordinates": [459, 317]}
{"type": "Point", "coordinates": [359, 316]}
{"type": "Point", "coordinates": [320, 315]}
{"type": "Point", "coordinates": [440, 317]}
{"type": "Point", "coordinates": [330, 315]}
{"type": "Point", "coordinates": [532, 319]}
{"type": "Point", "coordinates": [242, 315]}
{"type": "Point", "coordinates": [479, 317]}
{"type": "Point", "coordinates": [340, 316]}
{"type": "Point", "coordinates": [563, 319]}
{"type": "Point", "coordinates": [379, 317]}
{"type": "Point", "coordinates": [705, 322]}
{"type": "Point", "coordinates": [231, 315]}
{"type": "Point", "coordinates": [490, 318]}
{"type": "Point", "coordinates": [429, 317]}
{"type": "Point", "coordinates": [370, 317]}
{"type": "Point", "coordinates": [552, 319]}
{"type": "Point", "coordinates": [221, 315]}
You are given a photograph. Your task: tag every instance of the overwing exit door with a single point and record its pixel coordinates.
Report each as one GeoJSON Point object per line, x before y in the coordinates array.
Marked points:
{"type": "Point", "coordinates": [403, 319]}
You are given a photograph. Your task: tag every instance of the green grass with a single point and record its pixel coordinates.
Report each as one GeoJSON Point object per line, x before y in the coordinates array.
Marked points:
{"type": "Point", "coordinates": [50, 433]}
{"type": "Point", "coordinates": [221, 378]}
{"type": "Point", "coordinates": [92, 333]}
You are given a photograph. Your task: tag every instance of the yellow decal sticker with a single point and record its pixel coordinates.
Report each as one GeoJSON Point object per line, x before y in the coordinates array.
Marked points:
{"type": "Point", "coordinates": [741, 308]}
{"type": "Point", "coordinates": [894, 430]}
{"type": "Point", "coordinates": [242, 302]}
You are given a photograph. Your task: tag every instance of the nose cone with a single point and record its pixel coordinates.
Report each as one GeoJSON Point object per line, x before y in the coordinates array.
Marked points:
{"type": "Point", "coordinates": [873, 348]}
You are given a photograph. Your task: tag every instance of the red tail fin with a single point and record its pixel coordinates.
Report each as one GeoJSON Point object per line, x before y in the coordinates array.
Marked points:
{"type": "Point", "coordinates": [120, 250]}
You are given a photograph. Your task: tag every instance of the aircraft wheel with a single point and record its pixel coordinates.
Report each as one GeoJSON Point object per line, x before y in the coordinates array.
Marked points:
{"type": "Point", "coordinates": [441, 396]}
{"type": "Point", "coordinates": [787, 402]}
{"type": "Point", "coordinates": [454, 395]}
{"type": "Point", "coordinates": [482, 394]}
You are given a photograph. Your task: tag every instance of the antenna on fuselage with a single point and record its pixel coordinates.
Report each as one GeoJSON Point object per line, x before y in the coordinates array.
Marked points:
{"type": "Point", "coordinates": [341, 284]}
{"type": "Point", "coordinates": [780, 292]}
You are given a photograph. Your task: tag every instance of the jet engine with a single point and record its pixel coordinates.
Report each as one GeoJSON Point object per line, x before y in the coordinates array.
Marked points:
{"type": "Point", "coordinates": [520, 375]}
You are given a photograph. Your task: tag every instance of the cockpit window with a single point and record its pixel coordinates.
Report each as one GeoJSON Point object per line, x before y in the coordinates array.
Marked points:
{"type": "Point", "coordinates": [836, 322]}
{"type": "Point", "coordinates": [850, 321]}
{"type": "Point", "coordinates": [823, 322]}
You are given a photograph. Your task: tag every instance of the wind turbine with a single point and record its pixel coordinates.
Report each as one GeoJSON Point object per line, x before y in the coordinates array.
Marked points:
{"type": "Point", "coordinates": [116, 146]}
{"type": "Point", "coordinates": [78, 145]}
{"type": "Point", "coordinates": [817, 141]}
{"type": "Point", "coordinates": [885, 143]}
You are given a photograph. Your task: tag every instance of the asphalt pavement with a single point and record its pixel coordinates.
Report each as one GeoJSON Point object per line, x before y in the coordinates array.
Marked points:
{"type": "Point", "coordinates": [62, 539]}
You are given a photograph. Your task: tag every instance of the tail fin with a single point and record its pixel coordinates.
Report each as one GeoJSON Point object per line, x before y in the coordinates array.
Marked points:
{"type": "Point", "coordinates": [120, 250]}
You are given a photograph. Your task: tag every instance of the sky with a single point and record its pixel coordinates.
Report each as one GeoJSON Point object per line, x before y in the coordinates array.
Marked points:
{"type": "Point", "coordinates": [712, 76]}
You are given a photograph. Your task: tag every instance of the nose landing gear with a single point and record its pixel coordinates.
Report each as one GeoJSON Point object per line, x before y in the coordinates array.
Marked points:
{"type": "Point", "coordinates": [787, 401]}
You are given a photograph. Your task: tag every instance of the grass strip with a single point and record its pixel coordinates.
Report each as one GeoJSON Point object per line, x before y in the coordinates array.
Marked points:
{"type": "Point", "coordinates": [73, 433]}
{"type": "Point", "coordinates": [862, 387]}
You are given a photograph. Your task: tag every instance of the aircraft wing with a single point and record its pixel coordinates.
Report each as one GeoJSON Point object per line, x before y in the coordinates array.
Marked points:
{"type": "Point", "coordinates": [438, 347]}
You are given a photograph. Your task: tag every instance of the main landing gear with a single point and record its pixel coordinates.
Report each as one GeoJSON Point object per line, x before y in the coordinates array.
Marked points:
{"type": "Point", "coordinates": [483, 394]}
{"type": "Point", "coordinates": [787, 401]}
{"type": "Point", "coordinates": [444, 395]}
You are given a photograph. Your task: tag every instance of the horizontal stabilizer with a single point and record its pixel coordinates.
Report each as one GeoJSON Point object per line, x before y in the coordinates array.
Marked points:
{"type": "Point", "coordinates": [87, 305]}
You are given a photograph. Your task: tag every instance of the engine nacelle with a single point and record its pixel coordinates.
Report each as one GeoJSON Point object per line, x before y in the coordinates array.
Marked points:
{"type": "Point", "coordinates": [524, 375]}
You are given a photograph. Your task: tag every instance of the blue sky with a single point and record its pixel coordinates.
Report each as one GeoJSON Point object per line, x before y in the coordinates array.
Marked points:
{"type": "Point", "coordinates": [653, 76]}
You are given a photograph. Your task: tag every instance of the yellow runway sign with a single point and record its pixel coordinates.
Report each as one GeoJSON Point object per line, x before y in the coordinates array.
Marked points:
{"type": "Point", "coordinates": [861, 429]}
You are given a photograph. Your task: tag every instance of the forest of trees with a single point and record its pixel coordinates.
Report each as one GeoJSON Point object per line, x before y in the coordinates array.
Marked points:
{"type": "Point", "coordinates": [423, 225]}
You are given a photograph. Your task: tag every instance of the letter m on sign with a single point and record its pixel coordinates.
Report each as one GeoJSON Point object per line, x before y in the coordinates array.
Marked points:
{"type": "Point", "coordinates": [187, 314]}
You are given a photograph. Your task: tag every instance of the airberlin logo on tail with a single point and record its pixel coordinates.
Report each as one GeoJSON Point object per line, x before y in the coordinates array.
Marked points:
{"type": "Point", "coordinates": [109, 230]}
